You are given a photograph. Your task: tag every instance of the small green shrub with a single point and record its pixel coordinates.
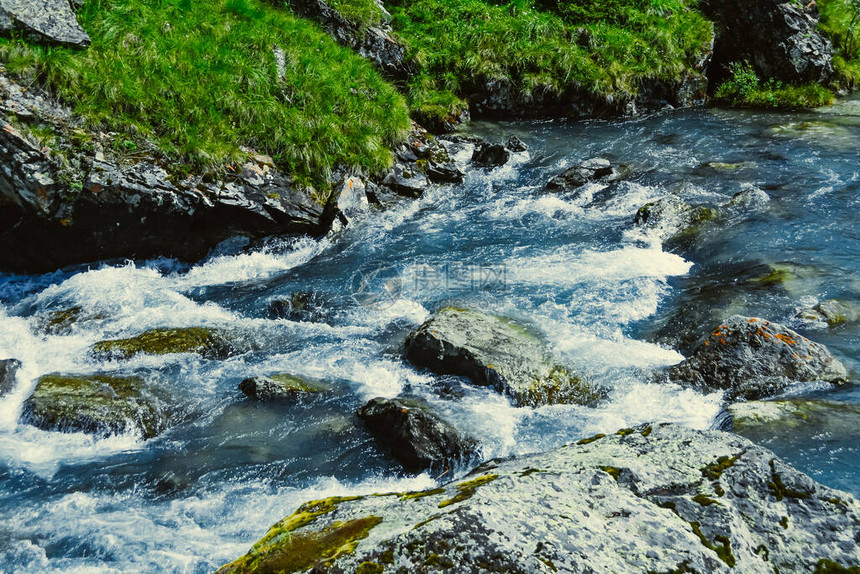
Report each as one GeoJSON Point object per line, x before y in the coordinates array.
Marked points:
{"type": "Point", "coordinates": [840, 20]}
{"type": "Point", "coordinates": [744, 89]}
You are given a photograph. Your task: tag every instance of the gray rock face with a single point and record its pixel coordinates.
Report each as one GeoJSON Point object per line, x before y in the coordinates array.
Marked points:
{"type": "Point", "coordinates": [752, 358]}
{"type": "Point", "coordinates": [8, 371]}
{"type": "Point", "coordinates": [666, 499]}
{"type": "Point", "coordinates": [595, 169]}
{"type": "Point", "coordinates": [98, 404]}
{"type": "Point", "coordinates": [374, 42]}
{"type": "Point", "coordinates": [496, 352]}
{"type": "Point", "coordinates": [416, 437]}
{"type": "Point", "coordinates": [780, 39]}
{"type": "Point", "coordinates": [113, 208]}
{"type": "Point", "coordinates": [48, 20]}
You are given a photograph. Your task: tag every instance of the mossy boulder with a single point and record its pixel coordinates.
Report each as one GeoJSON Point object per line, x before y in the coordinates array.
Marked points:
{"type": "Point", "coordinates": [496, 352]}
{"type": "Point", "coordinates": [209, 343]}
{"type": "Point", "coordinates": [281, 386]}
{"type": "Point", "coordinates": [415, 436]}
{"type": "Point", "coordinates": [831, 311]}
{"type": "Point", "coordinates": [650, 499]}
{"type": "Point", "coordinates": [751, 358]}
{"type": "Point", "coordinates": [819, 416]}
{"type": "Point", "coordinates": [596, 169]}
{"type": "Point", "coordinates": [8, 373]}
{"type": "Point", "coordinates": [673, 219]}
{"type": "Point", "coordinates": [99, 404]}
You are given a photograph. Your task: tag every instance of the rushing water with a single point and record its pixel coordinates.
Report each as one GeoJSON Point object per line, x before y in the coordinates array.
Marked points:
{"type": "Point", "coordinates": [609, 298]}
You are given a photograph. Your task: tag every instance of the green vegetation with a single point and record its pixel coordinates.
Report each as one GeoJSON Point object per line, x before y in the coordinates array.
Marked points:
{"type": "Point", "coordinates": [587, 46]}
{"type": "Point", "coordinates": [840, 20]}
{"type": "Point", "coordinates": [197, 81]}
{"type": "Point", "coordinates": [745, 89]}
{"type": "Point", "coordinates": [363, 13]}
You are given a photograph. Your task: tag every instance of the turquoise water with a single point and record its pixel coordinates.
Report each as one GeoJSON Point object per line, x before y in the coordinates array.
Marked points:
{"type": "Point", "coordinates": [610, 299]}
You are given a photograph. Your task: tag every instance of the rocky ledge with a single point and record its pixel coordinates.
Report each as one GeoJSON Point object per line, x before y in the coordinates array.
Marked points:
{"type": "Point", "coordinates": [650, 499]}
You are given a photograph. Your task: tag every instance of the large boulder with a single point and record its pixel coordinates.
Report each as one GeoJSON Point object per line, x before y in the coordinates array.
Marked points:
{"type": "Point", "coordinates": [496, 352]}
{"type": "Point", "coordinates": [89, 203]}
{"type": "Point", "coordinates": [416, 437]}
{"type": "Point", "coordinates": [374, 41]}
{"type": "Point", "coordinates": [209, 343]}
{"type": "Point", "coordinates": [661, 499]}
{"type": "Point", "coordinates": [51, 21]}
{"type": "Point", "coordinates": [99, 404]}
{"type": "Point", "coordinates": [751, 358]}
{"type": "Point", "coordinates": [780, 39]}
{"type": "Point", "coordinates": [8, 372]}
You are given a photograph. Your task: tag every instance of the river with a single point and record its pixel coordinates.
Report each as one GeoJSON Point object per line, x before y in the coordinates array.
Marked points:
{"type": "Point", "coordinates": [610, 299]}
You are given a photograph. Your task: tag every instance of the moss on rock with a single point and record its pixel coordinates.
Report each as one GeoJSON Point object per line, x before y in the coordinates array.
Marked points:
{"type": "Point", "coordinates": [210, 343]}
{"type": "Point", "coordinates": [467, 489]}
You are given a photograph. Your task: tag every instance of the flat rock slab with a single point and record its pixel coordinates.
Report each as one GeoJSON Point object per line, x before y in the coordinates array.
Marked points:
{"type": "Point", "coordinates": [496, 352]}
{"type": "Point", "coordinates": [751, 358]}
{"type": "Point", "coordinates": [661, 499]}
{"type": "Point", "coordinates": [51, 20]}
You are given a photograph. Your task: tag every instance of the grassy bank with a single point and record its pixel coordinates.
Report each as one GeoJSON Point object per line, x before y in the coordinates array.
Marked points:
{"type": "Point", "coordinates": [590, 45]}
{"type": "Point", "coordinates": [199, 80]}
{"type": "Point", "coordinates": [840, 21]}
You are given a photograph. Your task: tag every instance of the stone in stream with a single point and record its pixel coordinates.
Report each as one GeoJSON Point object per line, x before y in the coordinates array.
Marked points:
{"type": "Point", "coordinates": [596, 169]}
{"type": "Point", "coordinates": [8, 372]}
{"type": "Point", "coordinates": [751, 358]}
{"type": "Point", "coordinates": [51, 21]}
{"type": "Point", "coordinates": [301, 306]}
{"type": "Point", "coordinates": [779, 417]}
{"type": "Point", "coordinates": [209, 343]}
{"type": "Point", "coordinates": [650, 499]}
{"type": "Point", "coordinates": [279, 387]}
{"type": "Point", "coordinates": [417, 438]}
{"type": "Point", "coordinates": [496, 352]}
{"type": "Point", "coordinates": [831, 311]}
{"type": "Point", "coordinates": [98, 404]}
{"type": "Point", "coordinates": [490, 155]}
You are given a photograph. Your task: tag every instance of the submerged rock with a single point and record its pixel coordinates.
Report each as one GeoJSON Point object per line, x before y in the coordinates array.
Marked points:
{"type": "Point", "coordinates": [51, 21]}
{"type": "Point", "coordinates": [8, 372]}
{"type": "Point", "coordinates": [754, 417]}
{"type": "Point", "coordinates": [97, 404]}
{"type": "Point", "coordinates": [416, 437]}
{"type": "Point", "coordinates": [209, 343]}
{"type": "Point", "coordinates": [751, 358]}
{"type": "Point", "coordinates": [496, 352]}
{"type": "Point", "coordinates": [662, 499]}
{"type": "Point", "coordinates": [780, 39]}
{"type": "Point", "coordinates": [591, 170]}
{"type": "Point", "coordinates": [671, 218]}
{"type": "Point", "coordinates": [831, 311]}
{"type": "Point", "coordinates": [280, 386]}
{"type": "Point", "coordinates": [300, 306]}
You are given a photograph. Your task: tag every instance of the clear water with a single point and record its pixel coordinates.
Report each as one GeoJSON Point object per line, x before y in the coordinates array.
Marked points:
{"type": "Point", "coordinates": [610, 300]}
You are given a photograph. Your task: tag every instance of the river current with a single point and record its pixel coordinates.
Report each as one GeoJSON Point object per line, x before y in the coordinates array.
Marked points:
{"type": "Point", "coordinates": [610, 299]}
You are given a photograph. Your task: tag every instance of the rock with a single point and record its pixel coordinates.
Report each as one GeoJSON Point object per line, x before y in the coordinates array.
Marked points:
{"type": "Point", "coordinates": [50, 21]}
{"type": "Point", "coordinates": [209, 343]}
{"type": "Point", "coordinates": [82, 204]}
{"type": "Point", "coordinates": [352, 202]}
{"type": "Point", "coordinates": [821, 417]}
{"type": "Point", "coordinates": [831, 311]}
{"type": "Point", "coordinates": [490, 155]}
{"type": "Point", "coordinates": [418, 439]}
{"type": "Point", "coordinates": [278, 387]}
{"type": "Point", "coordinates": [309, 306]}
{"type": "Point", "coordinates": [751, 358]}
{"type": "Point", "coordinates": [8, 372]}
{"type": "Point", "coordinates": [671, 218]}
{"type": "Point", "coordinates": [374, 42]}
{"type": "Point", "coordinates": [516, 145]}
{"type": "Point", "coordinates": [445, 123]}
{"type": "Point", "coordinates": [591, 170]}
{"type": "Point", "coordinates": [661, 499]}
{"type": "Point", "coordinates": [406, 181]}
{"type": "Point", "coordinates": [97, 404]}
{"type": "Point", "coordinates": [496, 352]}
{"type": "Point", "coordinates": [780, 39]}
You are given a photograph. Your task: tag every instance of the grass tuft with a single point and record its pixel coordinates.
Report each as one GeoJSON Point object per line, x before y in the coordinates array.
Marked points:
{"type": "Point", "coordinates": [745, 90]}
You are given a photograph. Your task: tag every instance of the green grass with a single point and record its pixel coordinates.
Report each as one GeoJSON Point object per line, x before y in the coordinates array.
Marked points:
{"type": "Point", "coordinates": [364, 13]}
{"type": "Point", "coordinates": [198, 81]}
{"type": "Point", "coordinates": [840, 20]}
{"type": "Point", "coordinates": [588, 45]}
{"type": "Point", "coordinates": [744, 89]}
